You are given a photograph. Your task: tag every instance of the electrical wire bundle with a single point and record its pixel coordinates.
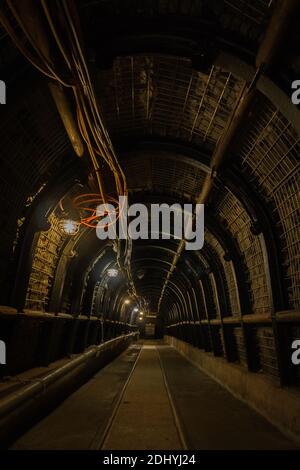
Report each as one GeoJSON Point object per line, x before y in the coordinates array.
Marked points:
{"type": "Point", "coordinates": [35, 26]}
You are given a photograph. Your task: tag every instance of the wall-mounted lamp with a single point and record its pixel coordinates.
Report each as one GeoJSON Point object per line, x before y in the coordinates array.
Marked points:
{"type": "Point", "coordinates": [112, 272]}
{"type": "Point", "coordinates": [68, 227]}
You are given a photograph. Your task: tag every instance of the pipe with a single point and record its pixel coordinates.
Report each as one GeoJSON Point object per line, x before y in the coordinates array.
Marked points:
{"type": "Point", "coordinates": [276, 33]}
{"type": "Point", "coordinates": [39, 386]}
{"type": "Point", "coordinates": [266, 55]}
{"type": "Point", "coordinates": [67, 118]}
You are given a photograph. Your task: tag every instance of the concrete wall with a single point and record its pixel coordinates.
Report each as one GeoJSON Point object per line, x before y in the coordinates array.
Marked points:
{"type": "Point", "coordinates": [281, 406]}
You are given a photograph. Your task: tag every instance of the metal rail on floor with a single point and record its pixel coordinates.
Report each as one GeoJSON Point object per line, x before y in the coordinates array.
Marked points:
{"type": "Point", "coordinates": [172, 405]}
{"type": "Point", "coordinates": [98, 445]}
{"type": "Point", "coordinates": [100, 442]}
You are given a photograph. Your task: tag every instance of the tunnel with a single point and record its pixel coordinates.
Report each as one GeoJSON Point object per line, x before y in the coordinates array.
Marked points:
{"type": "Point", "coordinates": [118, 116]}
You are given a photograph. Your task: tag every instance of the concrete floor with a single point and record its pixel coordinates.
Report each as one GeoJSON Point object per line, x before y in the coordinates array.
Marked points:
{"type": "Point", "coordinates": [80, 421]}
{"type": "Point", "coordinates": [144, 419]}
{"type": "Point", "coordinates": [212, 418]}
{"type": "Point", "coordinates": [152, 398]}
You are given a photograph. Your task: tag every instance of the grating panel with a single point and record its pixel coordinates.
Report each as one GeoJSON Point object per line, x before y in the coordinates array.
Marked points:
{"type": "Point", "coordinates": [237, 220]}
{"type": "Point", "coordinates": [164, 96]}
{"type": "Point", "coordinates": [270, 158]}
{"type": "Point", "coordinates": [162, 173]}
{"type": "Point", "coordinates": [240, 345]}
{"type": "Point", "coordinates": [267, 351]}
{"type": "Point", "coordinates": [255, 11]}
{"type": "Point", "coordinates": [228, 270]}
{"type": "Point", "coordinates": [44, 264]}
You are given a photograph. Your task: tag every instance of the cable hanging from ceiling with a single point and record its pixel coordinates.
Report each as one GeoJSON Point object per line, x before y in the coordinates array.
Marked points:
{"type": "Point", "coordinates": [34, 31]}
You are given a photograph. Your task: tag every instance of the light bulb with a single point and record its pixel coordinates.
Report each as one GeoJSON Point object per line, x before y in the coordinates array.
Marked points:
{"type": "Point", "coordinates": [69, 226]}
{"type": "Point", "coordinates": [112, 272]}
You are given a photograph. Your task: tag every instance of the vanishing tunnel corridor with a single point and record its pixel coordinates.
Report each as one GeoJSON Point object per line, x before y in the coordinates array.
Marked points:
{"type": "Point", "coordinates": [150, 224]}
{"type": "Point", "coordinates": [158, 400]}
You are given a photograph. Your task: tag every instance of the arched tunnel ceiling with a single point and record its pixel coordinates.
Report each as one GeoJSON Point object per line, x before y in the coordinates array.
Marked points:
{"type": "Point", "coordinates": [162, 95]}
{"type": "Point", "coordinates": [165, 97]}
{"type": "Point", "coordinates": [233, 23]}
{"type": "Point", "coordinates": [157, 98]}
{"type": "Point", "coordinates": [176, 102]}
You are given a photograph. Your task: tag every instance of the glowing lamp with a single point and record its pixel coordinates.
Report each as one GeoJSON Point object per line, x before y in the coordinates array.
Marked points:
{"type": "Point", "coordinates": [69, 227]}
{"type": "Point", "coordinates": [112, 272]}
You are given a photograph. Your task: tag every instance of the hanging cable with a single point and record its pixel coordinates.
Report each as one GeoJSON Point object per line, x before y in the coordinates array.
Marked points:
{"type": "Point", "coordinates": [90, 121]}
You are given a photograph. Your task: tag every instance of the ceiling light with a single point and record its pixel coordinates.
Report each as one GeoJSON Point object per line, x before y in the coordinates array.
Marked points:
{"type": "Point", "coordinates": [112, 272]}
{"type": "Point", "coordinates": [127, 301]}
{"type": "Point", "coordinates": [135, 309]}
{"type": "Point", "coordinates": [69, 227]}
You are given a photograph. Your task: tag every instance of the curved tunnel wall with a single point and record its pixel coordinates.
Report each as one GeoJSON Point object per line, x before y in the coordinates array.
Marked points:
{"type": "Point", "coordinates": [239, 297]}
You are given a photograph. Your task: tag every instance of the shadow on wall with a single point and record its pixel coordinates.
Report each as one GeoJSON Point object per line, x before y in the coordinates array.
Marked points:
{"type": "Point", "coordinates": [45, 338]}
